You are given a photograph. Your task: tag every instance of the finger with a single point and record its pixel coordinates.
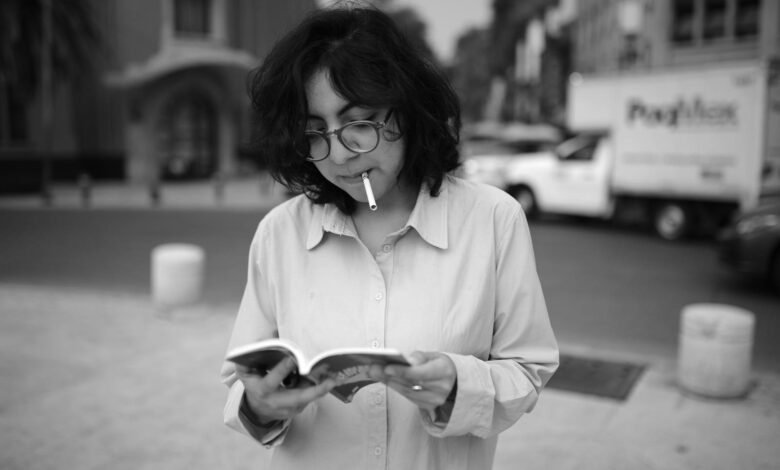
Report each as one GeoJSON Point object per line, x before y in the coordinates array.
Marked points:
{"type": "Point", "coordinates": [297, 399]}
{"type": "Point", "coordinates": [436, 367]}
{"type": "Point", "coordinates": [312, 393]}
{"type": "Point", "coordinates": [377, 373]}
{"type": "Point", "coordinates": [249, 376]}
{"type": "Point", "coordinates": [280, 371]}
{"type": "Point", "coordinates": [420, 357]}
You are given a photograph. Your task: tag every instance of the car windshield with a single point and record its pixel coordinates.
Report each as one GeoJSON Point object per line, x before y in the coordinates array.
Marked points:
{"type": "Point", "coordinates": [571, 146]}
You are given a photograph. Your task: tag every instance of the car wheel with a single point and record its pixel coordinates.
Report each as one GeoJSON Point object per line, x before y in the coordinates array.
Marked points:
{"type": "Point", "coordinates": [526, 198]}
{"type": "Point", "coordinates": [672, 221]}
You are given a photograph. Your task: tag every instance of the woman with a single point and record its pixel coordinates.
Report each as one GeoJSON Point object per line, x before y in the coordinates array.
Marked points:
{"type": "Point", "coordinates": [443, 269]}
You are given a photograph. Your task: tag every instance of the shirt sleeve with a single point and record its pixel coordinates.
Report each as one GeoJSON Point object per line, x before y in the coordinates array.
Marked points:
{"type": "Point", "coordinates": [494, 393]}
{"type": "Point", "coordinates": [254, 321]}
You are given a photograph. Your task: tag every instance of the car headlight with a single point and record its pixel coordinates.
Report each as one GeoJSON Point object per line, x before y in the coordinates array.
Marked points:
{"type": "Point", "coordinates": [756, 223]}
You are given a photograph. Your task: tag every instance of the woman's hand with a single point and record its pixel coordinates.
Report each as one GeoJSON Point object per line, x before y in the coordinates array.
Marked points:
{"type": "Point", "coordinates": [427, 382]}
{"type": "Point", "coordinates": [270, 401]}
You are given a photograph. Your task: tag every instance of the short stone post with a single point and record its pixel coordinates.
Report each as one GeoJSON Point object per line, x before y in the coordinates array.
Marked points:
{"type": "Point", "coordinates": [715, 347]}
{"type": "Point", "coordinates": [177, 275]}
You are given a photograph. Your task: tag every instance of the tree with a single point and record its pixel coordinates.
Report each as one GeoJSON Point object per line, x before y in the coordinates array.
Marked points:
{"type": "Point", "coordinates": [415, 29]}
{"type": "Point", "coordinates": [470, 72]}
{"type": "Point", "coordinates": [74, 39]}
{"type": "Point", "coordinates": [409, 21]}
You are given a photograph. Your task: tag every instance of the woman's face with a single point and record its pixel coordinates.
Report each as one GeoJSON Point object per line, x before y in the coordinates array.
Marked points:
{"type": "Point", "coordinates": [343, 167]}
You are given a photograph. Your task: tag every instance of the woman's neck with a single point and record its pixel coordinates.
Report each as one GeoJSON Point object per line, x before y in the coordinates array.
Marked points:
{"type": "Point", "coordinates": [392, 213]}
{"type": "Point", "coordinates": [399, 200]}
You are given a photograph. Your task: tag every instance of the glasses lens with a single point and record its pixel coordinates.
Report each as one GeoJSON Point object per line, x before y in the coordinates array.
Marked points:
{"type": "Point", "coordinates": [318, 145]}
{"type": "Point", "coordinates": [360, 136]}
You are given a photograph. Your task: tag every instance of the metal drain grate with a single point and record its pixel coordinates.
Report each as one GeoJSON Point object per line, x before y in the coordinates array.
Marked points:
{"type": "Point", "coordinates": [598, 377]}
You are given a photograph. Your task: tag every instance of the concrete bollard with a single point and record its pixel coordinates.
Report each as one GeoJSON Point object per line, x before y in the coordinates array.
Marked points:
{"type": "Point", "coordinates": [177, 274]}
{"type": "Point", "coordinates": [715, 346]}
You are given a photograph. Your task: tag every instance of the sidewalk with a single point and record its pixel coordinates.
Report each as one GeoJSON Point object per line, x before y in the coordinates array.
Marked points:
{"type": "Point", "coordinates": [91, 381]}
{"type": "Point", "coordinates": [247, 193]}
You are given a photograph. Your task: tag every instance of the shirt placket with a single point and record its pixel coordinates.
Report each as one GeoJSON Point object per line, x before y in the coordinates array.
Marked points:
{"type": "Point", "coordinates": [376, 322]}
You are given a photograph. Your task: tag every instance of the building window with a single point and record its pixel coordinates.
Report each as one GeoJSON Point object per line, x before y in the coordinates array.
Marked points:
{"type": "Point", "coordinates": [714, 19]}
{"type": "Point", "coordinates": [746, 18]}
{"type": "Point", "coordinates": [192, 17]}
{"type": "Point", "coordinates": [701, 21]}
{"type": "Point", "coordinates": [187, 137]}
{"type": "Point", "coordinates": [684, 15]}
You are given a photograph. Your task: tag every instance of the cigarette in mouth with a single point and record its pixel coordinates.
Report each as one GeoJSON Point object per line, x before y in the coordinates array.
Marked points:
{"type": "Point", "coordinates": [369, 192]}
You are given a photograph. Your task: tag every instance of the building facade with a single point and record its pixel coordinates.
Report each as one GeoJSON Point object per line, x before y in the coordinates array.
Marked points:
{"type": "Point", "coordinates": [166, 98]}
{"type": "Point", "coordinates": [613, 36]}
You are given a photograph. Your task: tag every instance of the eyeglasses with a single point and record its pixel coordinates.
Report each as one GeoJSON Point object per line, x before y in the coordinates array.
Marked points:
{"type": "Point", "coordinates": [356, 136]}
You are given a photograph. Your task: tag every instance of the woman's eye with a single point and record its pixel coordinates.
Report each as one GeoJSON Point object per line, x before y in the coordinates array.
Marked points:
{"type": "Point", "coordinates": [364, 117]}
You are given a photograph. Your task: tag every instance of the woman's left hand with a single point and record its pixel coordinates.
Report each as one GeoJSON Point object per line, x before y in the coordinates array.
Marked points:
{"type": "Point", "coordinates": [427, 382]}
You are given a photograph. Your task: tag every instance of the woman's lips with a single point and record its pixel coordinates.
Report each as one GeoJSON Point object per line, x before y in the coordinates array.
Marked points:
{"type": "Point", "coordinates": [355, 178]}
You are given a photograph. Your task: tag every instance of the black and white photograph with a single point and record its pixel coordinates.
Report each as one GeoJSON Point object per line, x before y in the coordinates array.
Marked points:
{"type": "Point", "coordinates": [390, 234]}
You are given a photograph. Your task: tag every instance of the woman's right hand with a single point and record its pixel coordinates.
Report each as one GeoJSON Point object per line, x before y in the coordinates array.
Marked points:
{"type": "Point", "coordinates": [270, 401]}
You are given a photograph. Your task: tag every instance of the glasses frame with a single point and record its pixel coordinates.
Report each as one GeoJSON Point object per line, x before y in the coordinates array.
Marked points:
{"type": "Point", "coordinates": [377, 125]}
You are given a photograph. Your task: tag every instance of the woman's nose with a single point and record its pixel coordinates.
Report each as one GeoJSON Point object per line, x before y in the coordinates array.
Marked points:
{"type": "Point", "coordinates": [339, 153]}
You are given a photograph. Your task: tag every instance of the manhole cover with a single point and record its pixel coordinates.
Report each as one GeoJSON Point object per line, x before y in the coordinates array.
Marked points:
{"type": "Point", "coordinates": [598, 377]}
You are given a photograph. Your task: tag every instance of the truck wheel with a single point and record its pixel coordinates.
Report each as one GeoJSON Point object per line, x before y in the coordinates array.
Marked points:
{"type": "Point", "coordinates": [526, 198]}
{"type": "Point", "coordinates": [672, 221]}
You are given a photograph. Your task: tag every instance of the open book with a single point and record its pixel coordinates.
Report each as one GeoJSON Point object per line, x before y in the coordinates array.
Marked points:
{"type": "Point", "coordinates": [349, 365]}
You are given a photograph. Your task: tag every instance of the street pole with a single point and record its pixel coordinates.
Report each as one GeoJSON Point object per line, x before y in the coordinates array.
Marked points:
{"type": "Point", "coordinates": [46, 105]}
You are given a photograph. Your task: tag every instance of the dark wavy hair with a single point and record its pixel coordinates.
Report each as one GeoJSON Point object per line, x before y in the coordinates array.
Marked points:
{"type": "Point", "coordinates": [370, 63]}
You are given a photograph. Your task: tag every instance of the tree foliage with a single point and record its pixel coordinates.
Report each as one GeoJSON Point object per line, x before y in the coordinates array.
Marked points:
{"type": "Point", "coordinates": [470, 72]}
{"type": "Point", "coordinates": [74, 38]}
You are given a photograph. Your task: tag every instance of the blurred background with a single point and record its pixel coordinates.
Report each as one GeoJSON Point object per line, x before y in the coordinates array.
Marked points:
{"type": "Point", "coordinates": [642, 138]}
{"type": "Point", "coordinates": [151, 92]}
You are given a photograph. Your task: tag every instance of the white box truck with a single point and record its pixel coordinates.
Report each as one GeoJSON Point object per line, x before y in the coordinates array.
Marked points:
{"type": "Point", "coordinates": [682, 149]}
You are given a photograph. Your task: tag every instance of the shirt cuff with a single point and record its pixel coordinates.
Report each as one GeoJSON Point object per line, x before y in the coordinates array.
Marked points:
{"type": "Point", "coordinates": [472, 408]}
{"type": "Point", "coordinates": [441, 415]}
{"type": "Point", "coordinates": [268, 435]}
{"type": "Point", "coordinates": [237, 420]}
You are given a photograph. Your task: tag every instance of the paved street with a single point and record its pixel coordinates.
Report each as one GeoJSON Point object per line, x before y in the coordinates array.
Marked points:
{"type": "Point", "coordinates": [604, 286]}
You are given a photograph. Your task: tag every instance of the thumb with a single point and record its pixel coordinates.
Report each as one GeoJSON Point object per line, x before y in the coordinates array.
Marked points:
{"type": "Point", "coordinates": [420, 357]}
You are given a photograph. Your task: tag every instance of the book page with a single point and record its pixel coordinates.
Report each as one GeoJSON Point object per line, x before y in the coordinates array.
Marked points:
{"type": "Point", "coordinates": [352, 369]}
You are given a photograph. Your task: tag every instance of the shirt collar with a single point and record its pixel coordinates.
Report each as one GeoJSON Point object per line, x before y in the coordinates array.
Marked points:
{"type": "Point", "coordinates": [326, 218]}
{"type": "Point", "coordinates": [428, 218]}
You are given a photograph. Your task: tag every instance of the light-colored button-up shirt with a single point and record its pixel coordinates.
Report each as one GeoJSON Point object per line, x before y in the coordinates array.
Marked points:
{"type": "Point", "coordinates": [459, 278]}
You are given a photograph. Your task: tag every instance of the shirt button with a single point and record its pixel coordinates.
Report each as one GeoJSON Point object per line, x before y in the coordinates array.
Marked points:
{"type": "Point", "coordinates": [387, 248]}
{"type": "Point", "coordinates": [377, 450]}
{"type": "Point", "coordinates": [378, 296]}
{"type": "Point", "coordinates": [375, 344]}
{"type": "Point", "coordinates": [378, 400]}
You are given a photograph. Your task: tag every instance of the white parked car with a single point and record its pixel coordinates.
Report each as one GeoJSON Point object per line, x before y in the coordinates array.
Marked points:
{"type": "Point", "coordinates": [488, 149]}
{"type": "Point", "coordinates": [551, 180]}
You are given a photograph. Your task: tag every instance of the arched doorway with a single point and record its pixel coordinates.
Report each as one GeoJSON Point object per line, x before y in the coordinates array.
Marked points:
{"type": "Point", "coordinates": [188, 137]}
